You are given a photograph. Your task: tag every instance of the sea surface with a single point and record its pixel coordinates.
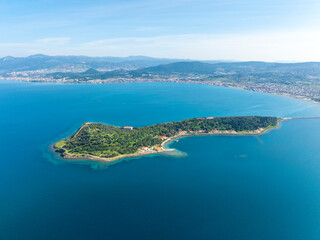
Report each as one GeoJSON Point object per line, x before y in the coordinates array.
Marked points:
{"type": "Point", "coordinates": [225, 187]}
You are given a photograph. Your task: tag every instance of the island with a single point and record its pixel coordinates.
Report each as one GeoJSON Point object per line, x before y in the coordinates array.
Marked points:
{"type": "Point", "coordinates": [100, 142]}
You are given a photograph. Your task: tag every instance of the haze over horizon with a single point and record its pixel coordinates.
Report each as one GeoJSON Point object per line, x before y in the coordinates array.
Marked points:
{"type": "Point", "coordinates": [186, 29]}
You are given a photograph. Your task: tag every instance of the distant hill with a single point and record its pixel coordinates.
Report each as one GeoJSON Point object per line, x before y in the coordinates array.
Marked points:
{"type": "Point", "coordinates": [181, 67]}
{"type": "Point", "coordinates": [231, 67]}
{"type": "Point", "coordinates": [237, 71]}
{"type": "Point", "coordinates": [141, 64]}
{"type": "Point", "coordinates": [88, 74]}
{"type": "Point", "coordinates": [91, 71]}
{"type": "Point", "coordinates": [77, 63]}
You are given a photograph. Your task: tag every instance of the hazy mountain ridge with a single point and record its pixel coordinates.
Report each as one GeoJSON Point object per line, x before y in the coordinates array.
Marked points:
{"type": "Point", "coordinates": [257, 72]}
{"type": "Point", "coordinates": [77, 63]}
{"type": "Point", "coordinates": [207, 68]}
{"type": "Point", "coordinates": [196, 67]}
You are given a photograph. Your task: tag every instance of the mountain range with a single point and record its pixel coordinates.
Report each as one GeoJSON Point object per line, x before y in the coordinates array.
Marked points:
{"type": "Point", "coordinates": [77, 63]}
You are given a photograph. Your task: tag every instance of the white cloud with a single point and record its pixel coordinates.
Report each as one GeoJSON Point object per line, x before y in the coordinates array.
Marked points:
{"type": "Point", "coordinates": [265, 46]}
{"type": "Point", "coordinates": [37, 46]}
{"type": "Point", "coordinates": [271, 46]}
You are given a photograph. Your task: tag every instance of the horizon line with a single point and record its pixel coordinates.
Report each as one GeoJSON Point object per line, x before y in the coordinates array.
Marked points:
{"type": "Point", "coordinates": [164, 58]}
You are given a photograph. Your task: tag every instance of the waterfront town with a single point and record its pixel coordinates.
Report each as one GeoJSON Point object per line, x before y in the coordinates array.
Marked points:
{"type": "Point", "coordinates": [301, 90]}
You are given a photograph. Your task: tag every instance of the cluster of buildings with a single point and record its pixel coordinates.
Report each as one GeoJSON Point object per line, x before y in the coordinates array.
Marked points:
{"type": "Point", "coordinates": [153, 149]}
{"type": "Point", "coordinates": [302, 89]}
{"type": "Point", "coordinates": [291, 90]}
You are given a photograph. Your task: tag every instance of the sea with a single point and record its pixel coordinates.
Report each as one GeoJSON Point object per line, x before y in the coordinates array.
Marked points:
{"type": "Point", "coordinates": [263, 187]}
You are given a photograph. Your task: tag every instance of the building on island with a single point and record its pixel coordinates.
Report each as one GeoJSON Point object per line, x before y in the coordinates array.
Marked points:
{"type": "Point", "coordinates": [127, 127]}
{"type": "Point", "coordinates": [182, 132]}
{"type": "Point", "coordinates": [158, 149]}
{"type": "Point", "coordinates": [162, 137]}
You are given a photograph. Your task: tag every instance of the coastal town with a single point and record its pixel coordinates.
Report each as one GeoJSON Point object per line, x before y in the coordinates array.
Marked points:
{"type": "Point", "coordinates": [301, 90]}
{"type": "Point", "coordinates": [299, 80]}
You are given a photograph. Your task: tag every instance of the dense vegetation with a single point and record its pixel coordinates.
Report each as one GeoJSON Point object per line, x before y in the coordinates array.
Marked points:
{"type": "Point", "coordinates": [109, 141]}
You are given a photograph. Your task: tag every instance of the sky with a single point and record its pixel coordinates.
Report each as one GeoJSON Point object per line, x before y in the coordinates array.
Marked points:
{"type": "Point", "coordinates": [264, 30]}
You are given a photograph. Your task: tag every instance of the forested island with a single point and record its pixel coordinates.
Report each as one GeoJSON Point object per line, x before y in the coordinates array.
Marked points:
{"type": "Point", "coordinates": [97, 141]}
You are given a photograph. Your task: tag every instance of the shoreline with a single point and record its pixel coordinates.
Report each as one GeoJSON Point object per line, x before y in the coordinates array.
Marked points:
{"type": "Point", "coordinates": [298, 97]}
{"type": "Point", "coordinates": [163, 145]}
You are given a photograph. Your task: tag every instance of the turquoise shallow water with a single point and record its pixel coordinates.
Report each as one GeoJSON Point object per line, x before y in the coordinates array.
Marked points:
{"type": "Point", "coordinates": [226, 187]}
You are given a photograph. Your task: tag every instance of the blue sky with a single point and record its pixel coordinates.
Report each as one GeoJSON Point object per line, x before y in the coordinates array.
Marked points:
{"type": "Point", "coordinates": [267, 30]}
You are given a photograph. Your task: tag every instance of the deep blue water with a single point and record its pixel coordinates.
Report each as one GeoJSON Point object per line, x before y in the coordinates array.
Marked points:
{"type": "Point", "coordinates": [227, 187]}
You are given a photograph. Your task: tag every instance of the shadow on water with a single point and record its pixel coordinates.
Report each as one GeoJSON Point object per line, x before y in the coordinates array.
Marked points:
{"type": "Point", "coordinates": [101, 165]}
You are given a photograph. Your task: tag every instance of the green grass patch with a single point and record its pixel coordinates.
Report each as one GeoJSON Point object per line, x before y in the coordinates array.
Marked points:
{"type": "Point", "coordinates": [60, 144]}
